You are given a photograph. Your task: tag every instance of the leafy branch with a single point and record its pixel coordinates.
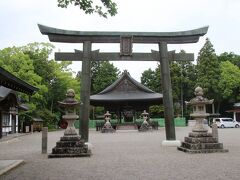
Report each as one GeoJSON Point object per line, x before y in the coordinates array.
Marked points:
{"type": "Point", "coordinates": [106, 8]}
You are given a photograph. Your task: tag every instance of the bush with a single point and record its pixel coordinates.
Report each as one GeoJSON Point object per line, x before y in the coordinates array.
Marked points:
{"type": "Point", "coordinates": [49, 119]}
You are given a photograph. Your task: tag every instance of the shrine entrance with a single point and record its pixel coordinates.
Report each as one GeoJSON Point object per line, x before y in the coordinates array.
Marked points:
{"type": "Point", "coordinates": [126, 40]}
{"type": "Point", "coordinates": [128, 114]}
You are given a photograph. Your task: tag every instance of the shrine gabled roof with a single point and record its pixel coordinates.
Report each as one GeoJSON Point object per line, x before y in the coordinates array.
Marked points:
{"type": "Point", "coordinates": [126, 89]}
{"type": "Point", "coordinates": [126, 75]}
{"type": "Point", "coordinates": [12, 82]}
{"type": "Point", "coordinates": [5, 92]}
{"type": "Point", "coordinates": [61, 35]}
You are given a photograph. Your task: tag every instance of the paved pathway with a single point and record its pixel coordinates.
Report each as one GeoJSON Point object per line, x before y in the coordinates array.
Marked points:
{"type": "Point", "coordinates": [124, 155]}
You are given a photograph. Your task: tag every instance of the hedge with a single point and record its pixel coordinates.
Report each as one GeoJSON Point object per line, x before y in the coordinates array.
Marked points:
{"type": "Point", "coordinates": [179, 122]}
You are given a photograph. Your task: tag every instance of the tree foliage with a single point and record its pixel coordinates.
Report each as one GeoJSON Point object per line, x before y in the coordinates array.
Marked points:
{"type": "Point", "coordinates": [103, 75]}
{"type": "Point", "coordinates": [18, 63]}
{"type": "Point", "coordinates": [31, 63]}
{"type": "Point", "coordinates": [217, 75]}
{"type": "Point", "coordinates": [183, 77]}
{"type": "Point", "coordinates": [108, 7]}
{"type": "Point", "coordinates": [208, 71]}
{"type": "Point", "coordinates": [151, 79]}
{"type": "Point", "coordinates": [231, 57]}
{"type": "Point", "coordinates": [229, 82]}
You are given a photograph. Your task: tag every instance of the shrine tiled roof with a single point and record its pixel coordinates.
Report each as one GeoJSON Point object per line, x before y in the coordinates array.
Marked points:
{"type": "Point", "coordinates": [12, 82]}
{"type": "Point", "coordinates": [4, 92]}
{"type": "Point", "coordinates": [126, 89]}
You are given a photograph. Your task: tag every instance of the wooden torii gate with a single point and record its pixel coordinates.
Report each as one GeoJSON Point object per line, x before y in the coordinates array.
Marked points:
{"type": "Point", "coordinates": [126, 40]}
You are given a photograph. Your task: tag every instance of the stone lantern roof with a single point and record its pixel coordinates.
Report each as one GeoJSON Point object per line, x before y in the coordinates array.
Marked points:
{"type": "Point", "coordinates": [70, 100]}
{"type": "Point", "coordinates": [199, 99]}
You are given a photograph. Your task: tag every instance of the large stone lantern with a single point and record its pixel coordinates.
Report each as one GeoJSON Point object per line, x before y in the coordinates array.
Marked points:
{"type": "Point", "coordinates": [71, 144]}
{"type": "Point", "coordinates": [69, 105]}
{"type": "Point", "coordinates": [199, 110]}
{"type": "Point", "coordinates": [199, 140]}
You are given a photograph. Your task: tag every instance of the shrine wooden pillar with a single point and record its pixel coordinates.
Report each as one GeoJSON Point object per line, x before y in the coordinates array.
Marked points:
{"type": "Point", "coordinates": [85, 91]}
{"type": "Point", "coordinates": [167, 92]}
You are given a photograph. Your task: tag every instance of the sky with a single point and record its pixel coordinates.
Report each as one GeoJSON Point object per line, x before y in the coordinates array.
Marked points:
{"type": "Point", "coordinates": [19, 19]}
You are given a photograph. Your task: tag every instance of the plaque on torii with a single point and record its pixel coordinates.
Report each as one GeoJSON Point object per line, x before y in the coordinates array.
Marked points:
{"type": "Point", "coordinates": [126, 40]}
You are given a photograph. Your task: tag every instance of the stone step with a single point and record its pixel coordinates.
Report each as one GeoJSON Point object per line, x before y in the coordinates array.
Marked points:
{"type": "Point", "coordinates": [71, 138]}
{"type": "Point", "coordinates": [68, 155]}
{"type": "Point", "coordinates": [69, 150]}
{"type": "Point", "coordinates": [70, 143]}
{"type": "Point", "coordinates": [127, 127]}
{"type": "Point", "coordinates": [200, 140]}
{"type": "Point", "coordinates": [198, 146]}
{"type": "Point", "coordinates": [200, 134]}
{"type": "Point", "coordinates": [194, 151]}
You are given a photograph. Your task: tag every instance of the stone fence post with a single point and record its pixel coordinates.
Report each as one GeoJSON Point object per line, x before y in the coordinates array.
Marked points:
{"type": "Point", "coordinates": [215, 131]}
{"type": "Point", "coordinates": [44, 139]}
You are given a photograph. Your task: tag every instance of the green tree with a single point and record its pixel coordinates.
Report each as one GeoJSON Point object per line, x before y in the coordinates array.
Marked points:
{"type": "Point", "coordinates": [62, 81]}
{"type": "Point", "coordinates": [108, 7]}
{"type": "Point", "coordinates": [31, 63]}
{"type": "Point", "coordinates": [151, 79]}
{"type": "Point", "coordinates": [57, 77]}
{"type": "Point", "coordinates": [208, 72]}
{"type": "Point", "coordinates": [189, 75]}
{"type": "Point", "coordinates": [231, 57]}
{"type": "Point", "coordinates": [15, 61]}
{"type": "Point", "coordinates": [183, 77]}
{"type": "Point", "coordinates": [39, 53]}
{"type": "Point", "coordinates": [176, 80]}
{"type": "Point", "coordinates": [229, 82]}
{"type": "Point", "coordinates": [103, 74]}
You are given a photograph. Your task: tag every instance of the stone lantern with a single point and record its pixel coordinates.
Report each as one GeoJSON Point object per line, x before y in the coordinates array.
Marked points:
{"type": "Point", "coordinates": [199, 110]}
{"type": "Point", "coordinates": [69, 105]}
{"type": "Point", "coordinates": [146, 123]}
{"type": "Point", "coordinates": [107, 127]}
{"type": "Point", "coordinates": [199, 140]}
{"type": "Point", "coordinates": [71, 144]}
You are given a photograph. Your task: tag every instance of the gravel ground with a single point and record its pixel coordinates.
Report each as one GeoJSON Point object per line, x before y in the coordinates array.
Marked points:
{"type": "Point", "coordinates": [124, 155]}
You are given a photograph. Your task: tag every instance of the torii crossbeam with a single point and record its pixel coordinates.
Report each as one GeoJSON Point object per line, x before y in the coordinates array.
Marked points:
{"type": "Point", "coordinates": [97, 56]}
{"type": "Point", "coordinates": [126, 40]}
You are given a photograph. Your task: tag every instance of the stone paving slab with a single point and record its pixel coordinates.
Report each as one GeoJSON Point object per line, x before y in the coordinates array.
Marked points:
{"type": "Point", "coordinates": [12, 137]}
{"type": "Point", "coordinates": [7, 165]}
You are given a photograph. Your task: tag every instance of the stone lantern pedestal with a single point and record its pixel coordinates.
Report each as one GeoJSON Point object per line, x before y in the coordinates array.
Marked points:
{"type": "Point", "coordinates": [71, 144]}
{"type": "Point", "coordinates": [199, 140]}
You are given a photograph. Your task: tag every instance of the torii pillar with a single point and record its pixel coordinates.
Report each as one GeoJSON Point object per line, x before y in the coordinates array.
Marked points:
{"type": "Point", "coordinates": [126, 39]}
{"type": "Point", "coordinates": [167, 95]}
{"type": "Point", "coordinates": [85, 91]}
